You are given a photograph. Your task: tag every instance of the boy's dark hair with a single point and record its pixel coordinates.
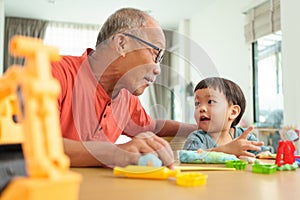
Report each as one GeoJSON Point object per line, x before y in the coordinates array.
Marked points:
{"type": "Point", "coordinates": [231, 90]}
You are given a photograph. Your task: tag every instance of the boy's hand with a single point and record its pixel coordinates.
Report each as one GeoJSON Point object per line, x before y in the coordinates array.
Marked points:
{"type": "Point", "coordinates": [240, 145]}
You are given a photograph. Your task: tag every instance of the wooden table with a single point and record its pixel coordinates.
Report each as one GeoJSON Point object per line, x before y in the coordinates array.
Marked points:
{"type": "Point", "coordinates": [100, 183]}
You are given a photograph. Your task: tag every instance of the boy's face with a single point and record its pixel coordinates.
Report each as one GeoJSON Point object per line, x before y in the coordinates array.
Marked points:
{"type": "Point", "coordinates": [212, 110]}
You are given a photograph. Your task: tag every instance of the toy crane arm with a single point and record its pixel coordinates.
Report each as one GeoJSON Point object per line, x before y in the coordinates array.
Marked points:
{"type": "Point", "coordinates": [46, 163]}
{"type": "Point", "coordinates": [42, 145]}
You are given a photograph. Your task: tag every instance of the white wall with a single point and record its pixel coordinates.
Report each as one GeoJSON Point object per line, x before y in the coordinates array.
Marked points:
{"type": "Point", "coordinates": [291, 63]}
{"type": "Point", "coordinates": [219, 30]}
{"type": "Point", "coordinates": [2, 22]}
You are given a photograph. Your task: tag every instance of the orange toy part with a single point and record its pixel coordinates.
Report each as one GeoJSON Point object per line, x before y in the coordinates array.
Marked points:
{"type": "Point", "coordinates": [47, 165]}
{"type": "Point", "coordinates": [10, 131]}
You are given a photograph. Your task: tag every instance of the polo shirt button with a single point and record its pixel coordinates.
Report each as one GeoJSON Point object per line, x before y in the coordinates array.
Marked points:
{"type": "Point", "coordinates": [109, 103]}
{"type": "Point", "coordinates": [104, 115]}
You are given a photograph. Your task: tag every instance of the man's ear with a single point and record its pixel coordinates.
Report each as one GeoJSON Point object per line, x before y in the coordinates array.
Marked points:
{"type": "Point", "coordinates": [119, 41]}
{"type": "Point", "coordinates": [234, 111]}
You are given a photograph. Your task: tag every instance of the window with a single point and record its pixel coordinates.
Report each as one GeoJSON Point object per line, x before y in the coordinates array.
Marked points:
{"type": "Point", "coordinates": [262, 30]}
{"type": "Point", "coordinates": [71, 39]}
{"type": "Point", "coordinates": [267, 74]}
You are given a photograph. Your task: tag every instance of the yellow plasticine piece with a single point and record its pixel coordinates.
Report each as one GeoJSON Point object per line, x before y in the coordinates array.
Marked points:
{"type": "Point", "coordinates": [190, 179]}
{"type": "Point", "coordinates": [145, 172]}
{"type": "Point", "coordinates": [187, 179]}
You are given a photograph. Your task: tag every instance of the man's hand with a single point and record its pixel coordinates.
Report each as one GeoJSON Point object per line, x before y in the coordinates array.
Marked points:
{"type": "Point", "coordinates": [240, 145]}
{"type": "Point", "coordinates": [97, 153]}
{"type": "Point", "coordinates": [148, 142]}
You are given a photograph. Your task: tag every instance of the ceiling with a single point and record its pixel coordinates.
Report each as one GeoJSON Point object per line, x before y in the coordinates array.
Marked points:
{"type": "Point", "coordinates": [167, 12]}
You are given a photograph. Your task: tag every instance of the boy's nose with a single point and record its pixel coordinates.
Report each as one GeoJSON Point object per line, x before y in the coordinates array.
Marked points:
{"type": "Point", "coordinates": [202, 108]}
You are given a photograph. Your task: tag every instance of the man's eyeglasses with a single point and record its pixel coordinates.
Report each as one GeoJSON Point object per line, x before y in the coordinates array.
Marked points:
{"type": "Point", "coordinates": [159, 55]}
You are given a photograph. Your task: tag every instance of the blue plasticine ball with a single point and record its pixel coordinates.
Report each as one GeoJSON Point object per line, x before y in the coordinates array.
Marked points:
{"type": "Point", "coordinates": [150, 160]}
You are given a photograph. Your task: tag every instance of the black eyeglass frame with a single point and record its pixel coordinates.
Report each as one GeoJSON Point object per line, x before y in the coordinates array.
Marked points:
{"type": "Point", "coordinates": [159, 55]}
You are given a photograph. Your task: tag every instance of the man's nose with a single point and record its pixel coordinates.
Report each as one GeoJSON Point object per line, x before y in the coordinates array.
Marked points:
{"type": "Point", "coordinates": [157, 69]}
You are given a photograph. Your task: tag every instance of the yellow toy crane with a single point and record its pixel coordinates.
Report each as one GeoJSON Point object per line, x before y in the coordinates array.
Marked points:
{"type": "Point", "coordinates": [29, 94]}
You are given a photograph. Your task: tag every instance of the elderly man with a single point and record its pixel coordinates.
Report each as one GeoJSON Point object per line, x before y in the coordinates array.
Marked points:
{"type": "Point", "coordinates": [99, 98]}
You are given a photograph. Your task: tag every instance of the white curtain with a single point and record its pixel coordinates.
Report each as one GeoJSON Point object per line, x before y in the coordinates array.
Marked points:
{"type": "Point", "coordinates": [262, 20]}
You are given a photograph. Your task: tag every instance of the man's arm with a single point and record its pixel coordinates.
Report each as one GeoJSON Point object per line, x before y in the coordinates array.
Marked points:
{"type": "Point", "coordinates": [173, 128]}
{"type": "Point", "coordinates": [97, 153]}
{"type": "Point", "coordinates": [78, 154]}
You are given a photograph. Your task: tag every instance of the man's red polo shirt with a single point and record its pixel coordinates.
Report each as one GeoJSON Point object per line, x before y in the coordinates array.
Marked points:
{"type": "Point", "coordinates": [87, 112]}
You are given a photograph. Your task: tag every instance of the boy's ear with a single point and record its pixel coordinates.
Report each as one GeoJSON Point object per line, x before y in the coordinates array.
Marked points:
{"type": "Point", "coordinates": [234, 111]}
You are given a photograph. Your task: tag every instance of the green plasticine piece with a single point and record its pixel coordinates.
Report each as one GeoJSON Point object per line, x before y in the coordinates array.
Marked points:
{"type": "Point", "coordinates": [237, 164]}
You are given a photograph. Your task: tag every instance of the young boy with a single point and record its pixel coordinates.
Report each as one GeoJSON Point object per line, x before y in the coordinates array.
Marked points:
{"type": "Point", "coordinates": [219, 106]}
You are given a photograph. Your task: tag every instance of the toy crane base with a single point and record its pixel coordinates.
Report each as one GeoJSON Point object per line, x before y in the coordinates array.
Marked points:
{"type": "Point", "coordinates": [66, 187]}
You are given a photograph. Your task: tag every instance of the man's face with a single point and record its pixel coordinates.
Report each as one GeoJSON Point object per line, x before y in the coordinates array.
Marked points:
{"type": "Point", "coordinates": [141, 64]}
